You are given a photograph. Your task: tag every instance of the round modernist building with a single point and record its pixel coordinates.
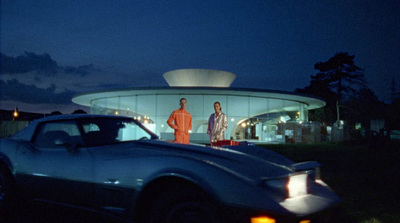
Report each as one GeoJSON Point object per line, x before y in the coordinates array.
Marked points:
{"type": "Point", "coordinates": [253, 114]}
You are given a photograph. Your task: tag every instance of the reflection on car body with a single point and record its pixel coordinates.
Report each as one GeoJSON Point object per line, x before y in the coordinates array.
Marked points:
{"type": "Point", "coordinates": [114, 164]}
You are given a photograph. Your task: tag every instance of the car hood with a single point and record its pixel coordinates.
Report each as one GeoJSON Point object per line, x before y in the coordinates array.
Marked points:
{"type": "Point", "coordinates": [250, 162]}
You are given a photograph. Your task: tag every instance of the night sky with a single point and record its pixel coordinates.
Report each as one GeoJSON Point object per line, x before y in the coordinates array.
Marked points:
{"type": "Point", "coordinates": [53, 50]}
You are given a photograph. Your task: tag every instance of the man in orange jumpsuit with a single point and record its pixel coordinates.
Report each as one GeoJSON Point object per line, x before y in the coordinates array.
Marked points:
{"type": "Point", "coordinates": [181, 121]}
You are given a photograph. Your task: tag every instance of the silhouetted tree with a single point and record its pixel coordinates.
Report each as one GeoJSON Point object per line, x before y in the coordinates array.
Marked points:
{"type": "Point", "coordinates": [55, 113]}
{"type": "Point", "coordinates": [321, 89]}
{"type": "Point", "coordinates": [340, 74]}
{"type": "Point", "coordinates": [337, 76]}
{"type": "Point", "coordinates": [363, 107]}
{"type": "Point", "coordinates": [392, 114]}
{"type": "Point", "coordinates": [79, 111]}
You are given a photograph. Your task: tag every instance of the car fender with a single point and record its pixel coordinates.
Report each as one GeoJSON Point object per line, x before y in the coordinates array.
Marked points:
{"type": "Point", "coordinates": [7, 153]}
{"type": "Point", "coordinates": [224, 185]}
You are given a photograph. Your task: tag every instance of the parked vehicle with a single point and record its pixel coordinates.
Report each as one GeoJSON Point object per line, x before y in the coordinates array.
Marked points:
{"type": "Point", "coordinates": [114, 164]}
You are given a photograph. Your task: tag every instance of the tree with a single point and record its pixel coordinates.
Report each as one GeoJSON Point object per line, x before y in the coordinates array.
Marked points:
{"type": "Point", "coordinates": [55, 113]}
{"type": "Point", "coordinates": [79, 111]}
{"type": "Point", "coordinates": [340, 73]}
{"type": "Point", "coordinates": [337, 76]}
{"type": "Point", "coordinates": [320, 88]}
{"type": "Point", "coordinates": [363, 107]}
{"type": "Point", "coordinates": [393, 119]}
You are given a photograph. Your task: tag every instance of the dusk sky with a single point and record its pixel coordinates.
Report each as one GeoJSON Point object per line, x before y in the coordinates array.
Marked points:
{"type": "Point", "coordinates": [53, 50]}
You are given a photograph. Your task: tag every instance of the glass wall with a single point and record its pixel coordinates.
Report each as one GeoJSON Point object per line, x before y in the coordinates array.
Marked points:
{"type": "Point", "coordinates": [249, 118]}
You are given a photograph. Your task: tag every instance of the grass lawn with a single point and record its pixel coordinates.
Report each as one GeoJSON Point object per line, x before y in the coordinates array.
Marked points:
{"type": "Point", "coordinates": [367, 180]}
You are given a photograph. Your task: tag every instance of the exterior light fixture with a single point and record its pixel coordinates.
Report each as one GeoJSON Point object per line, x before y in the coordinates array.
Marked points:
{"type": "Point", "coordinates": [15, 113]}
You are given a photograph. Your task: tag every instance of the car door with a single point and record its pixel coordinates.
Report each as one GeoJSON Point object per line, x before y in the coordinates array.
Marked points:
{"type": "Point", "coordinates": [55, 167]}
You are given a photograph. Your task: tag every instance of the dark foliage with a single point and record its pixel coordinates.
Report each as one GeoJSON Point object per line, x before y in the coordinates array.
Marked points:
{"type": "Point", "coordinates": [338, 77]}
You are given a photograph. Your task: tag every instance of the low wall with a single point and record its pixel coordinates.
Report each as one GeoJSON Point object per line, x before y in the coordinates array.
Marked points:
{"type": "Point", "coordinates": [9, 128]}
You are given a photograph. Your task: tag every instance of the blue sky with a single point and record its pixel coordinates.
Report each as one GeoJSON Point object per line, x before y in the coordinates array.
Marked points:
{"type": "Point", "coordinates": [84, 46]}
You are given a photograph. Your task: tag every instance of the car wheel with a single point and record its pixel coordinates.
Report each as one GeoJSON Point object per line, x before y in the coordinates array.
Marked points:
{"type": "Point", "coordinates": [193, 212]}
{"type": "Point", "coordinates": [181, 205]}
{"type": "Point", "coordinates": [6, 188]}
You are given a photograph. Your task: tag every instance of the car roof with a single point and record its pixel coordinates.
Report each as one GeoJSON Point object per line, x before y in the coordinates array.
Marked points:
{"type": "Point", "coordinates": [77, 116]}
{"type": "Point", "coordinates": [27, 133]}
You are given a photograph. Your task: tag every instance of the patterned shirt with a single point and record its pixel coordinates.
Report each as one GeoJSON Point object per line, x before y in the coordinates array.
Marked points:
{"type": "Point", "coordinates": [217, 125]}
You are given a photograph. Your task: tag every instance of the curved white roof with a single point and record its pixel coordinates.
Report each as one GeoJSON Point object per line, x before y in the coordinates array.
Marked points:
{"type": "Point", "coordinates": [199, 78]}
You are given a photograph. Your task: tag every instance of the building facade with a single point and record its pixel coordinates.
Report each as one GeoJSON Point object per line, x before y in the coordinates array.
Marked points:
{"type": "Point", "coordinates": [253, 114]}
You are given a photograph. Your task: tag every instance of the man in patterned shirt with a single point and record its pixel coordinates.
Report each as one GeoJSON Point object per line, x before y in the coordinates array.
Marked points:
{"type": "Point", "coordinates": [217, 124]}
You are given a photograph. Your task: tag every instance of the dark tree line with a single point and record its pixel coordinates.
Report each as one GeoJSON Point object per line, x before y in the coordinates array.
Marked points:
{"type": "Point", "coordinates": [78, 111]}
{"type": "Point", "coordinates": [342, 85]}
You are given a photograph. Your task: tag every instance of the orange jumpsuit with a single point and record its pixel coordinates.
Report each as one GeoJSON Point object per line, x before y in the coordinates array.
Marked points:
{"type": "Point", "coordinates": [181, 121]}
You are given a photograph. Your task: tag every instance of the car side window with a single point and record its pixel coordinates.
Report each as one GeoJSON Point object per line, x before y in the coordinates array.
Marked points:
{"type": "Point", "coordinates": [108, 131]}
{"type": "Point", "coordinates": [57, 134]}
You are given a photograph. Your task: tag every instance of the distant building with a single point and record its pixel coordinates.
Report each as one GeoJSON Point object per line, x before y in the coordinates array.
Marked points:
{"type": "Point", "coordinates": [11, 122]}
{"type": "Point", "coordinates": [8, 115]}
{"type": "Point", "coordinates": [253, 114]}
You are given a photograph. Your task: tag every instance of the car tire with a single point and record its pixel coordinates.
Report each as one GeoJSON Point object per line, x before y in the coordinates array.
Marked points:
{"type": "Point", "coordinates": [181, 205]}
{"type": "Point", "coordinates": [6, 189]}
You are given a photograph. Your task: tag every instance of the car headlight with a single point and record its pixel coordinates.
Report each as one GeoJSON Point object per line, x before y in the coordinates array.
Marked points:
{"type": "Point", "coordinates": [288, 187]}
{"type": "Point", "coordinates": [297, 185]}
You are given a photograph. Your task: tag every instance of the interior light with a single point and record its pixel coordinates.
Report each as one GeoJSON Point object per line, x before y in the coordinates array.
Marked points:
{"type": "Point", "coordinates": [262, 219]}
{"type": "Point", "coordinates": [243, 125]}
{"type": "Point", "coordinates": [232, 119]}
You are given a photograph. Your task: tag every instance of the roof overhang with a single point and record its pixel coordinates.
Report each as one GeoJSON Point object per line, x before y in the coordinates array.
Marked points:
{"type": "Point", "coordinates": [312, 101]}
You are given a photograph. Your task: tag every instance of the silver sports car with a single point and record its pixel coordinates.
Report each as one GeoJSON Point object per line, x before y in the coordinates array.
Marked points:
{"type": "Point", "coordinates": [114, 164]}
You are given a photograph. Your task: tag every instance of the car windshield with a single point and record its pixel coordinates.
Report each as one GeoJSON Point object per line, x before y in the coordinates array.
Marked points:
{"type": "Point", "coordinates": [110, 130]}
